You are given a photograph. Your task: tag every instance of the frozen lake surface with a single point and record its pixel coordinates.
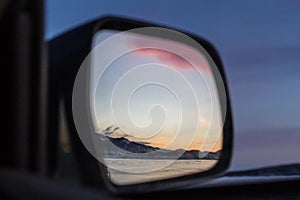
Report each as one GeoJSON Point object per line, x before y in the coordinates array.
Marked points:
{"type": "Point", "coordinates": [131, 171]}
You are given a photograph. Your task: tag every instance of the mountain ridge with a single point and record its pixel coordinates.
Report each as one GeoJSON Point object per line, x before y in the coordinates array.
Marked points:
{"type": "Point", "coordinates": [124, 148]}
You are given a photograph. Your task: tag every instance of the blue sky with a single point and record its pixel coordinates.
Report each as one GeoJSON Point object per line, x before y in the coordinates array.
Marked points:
{"type": "Point", "coordinates": [259, 45]}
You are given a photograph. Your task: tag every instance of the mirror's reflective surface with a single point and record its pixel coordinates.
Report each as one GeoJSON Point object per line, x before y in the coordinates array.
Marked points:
{"type": "Point", "coordinates": [155, 107]}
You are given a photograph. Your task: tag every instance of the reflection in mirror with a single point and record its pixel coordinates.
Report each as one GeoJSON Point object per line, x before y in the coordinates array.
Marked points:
{"type": "Point", "coordinates": [155, 107]}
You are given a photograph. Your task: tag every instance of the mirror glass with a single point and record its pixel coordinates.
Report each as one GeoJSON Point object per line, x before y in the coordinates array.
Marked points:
{"type": "Point", "coordinates": [155, 107]}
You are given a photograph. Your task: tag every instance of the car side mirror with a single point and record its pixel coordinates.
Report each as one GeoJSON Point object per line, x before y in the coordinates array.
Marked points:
{"type": "Point", "coordinates": [151, 105]}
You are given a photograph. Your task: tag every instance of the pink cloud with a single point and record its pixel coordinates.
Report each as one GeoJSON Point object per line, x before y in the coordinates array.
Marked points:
{"type": "Point", "coordinates": [167, 58]}
{"type": "Point", "coordinates": [170, 59]}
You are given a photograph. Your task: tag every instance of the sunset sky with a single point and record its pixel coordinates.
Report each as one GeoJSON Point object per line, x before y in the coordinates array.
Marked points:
{"type": "Point", "coordinates": [158, 97]}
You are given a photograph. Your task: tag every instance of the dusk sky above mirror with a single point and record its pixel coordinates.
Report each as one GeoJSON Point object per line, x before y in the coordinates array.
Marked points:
{"type": "Point", "coordinates": [259, 45]}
